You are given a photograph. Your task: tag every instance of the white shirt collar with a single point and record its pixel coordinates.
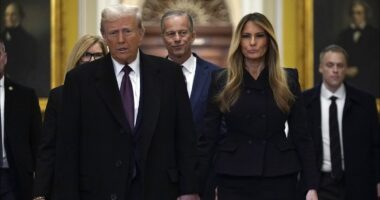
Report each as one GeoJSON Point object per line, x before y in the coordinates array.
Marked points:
{"type": "Point", "coordinates": [361, 26]}
{"type": "Point", "coordinates": [340, 92]}
{"type": "Point", "coordinates": [189, 64]}
{"type": "Point", "coordinates": [118, 67]}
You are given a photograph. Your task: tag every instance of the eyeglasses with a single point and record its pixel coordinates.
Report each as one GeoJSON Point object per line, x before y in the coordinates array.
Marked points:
{"type": "Point", "coordinates": [181, 33]}
{"type": "Point", "coordinates": [88, 56]}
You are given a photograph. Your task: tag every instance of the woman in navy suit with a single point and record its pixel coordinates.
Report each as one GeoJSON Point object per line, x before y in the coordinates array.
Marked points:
{"type": "Point", "coordinates": [256, 159]}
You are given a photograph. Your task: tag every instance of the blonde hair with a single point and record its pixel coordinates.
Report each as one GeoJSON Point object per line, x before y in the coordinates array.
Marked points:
{"type": "Point", "coordinates": [81, 46]}
{"type": "Point", "coordinates": [277, 76]}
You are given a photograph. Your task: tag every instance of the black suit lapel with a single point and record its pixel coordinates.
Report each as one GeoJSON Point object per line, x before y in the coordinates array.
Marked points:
{"type": "Point", "coordinates": [151, 92]}
{"type": "Point", "coordinates": [9, 99]}
{"type": "Point", "coordinates": [350, 98]}
{"type": "Point", "coordinates": [108, 89]}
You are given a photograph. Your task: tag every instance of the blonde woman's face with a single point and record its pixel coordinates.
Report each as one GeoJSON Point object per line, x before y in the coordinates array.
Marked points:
{"type": "Point", "coordinates": [94, 52]}
{"type": "Point", "coordinates": [253, 42]}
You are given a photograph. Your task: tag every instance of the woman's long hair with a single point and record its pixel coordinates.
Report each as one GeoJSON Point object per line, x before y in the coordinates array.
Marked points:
{"type": "Point", "coordinates": [81, 47]}
{"type": "Point", "coordinates": [277, 76]}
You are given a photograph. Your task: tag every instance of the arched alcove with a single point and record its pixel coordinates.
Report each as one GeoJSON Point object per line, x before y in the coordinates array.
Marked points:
{"type": "Point", "coordinates": [212, 26]}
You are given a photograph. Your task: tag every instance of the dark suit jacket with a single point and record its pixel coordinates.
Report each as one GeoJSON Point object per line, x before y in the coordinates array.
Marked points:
{"type": "Point", "coordinates": [360, 139]}
{"type": "Point", "coordinates": [46, 150]}
{"type": "Point", "coordinates": [199, 92]}
{"type": "Point", "coordinates": [95, 145]}
{"type": "Point", "coordinates": [22, 126]}
{"type": "Point", "coordinates": [255, 143]}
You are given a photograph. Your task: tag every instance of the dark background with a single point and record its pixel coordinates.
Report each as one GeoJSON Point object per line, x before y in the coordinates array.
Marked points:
{"type": "Point", "coordinates": [37, 23]}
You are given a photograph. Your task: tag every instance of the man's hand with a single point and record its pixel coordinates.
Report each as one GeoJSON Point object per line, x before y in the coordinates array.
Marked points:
{"type": "Point", "coordinates": [312, 195]}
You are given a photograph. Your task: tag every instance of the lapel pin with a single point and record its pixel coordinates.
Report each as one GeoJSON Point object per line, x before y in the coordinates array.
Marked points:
{"type": "Point", "coordinates": [10, 88]}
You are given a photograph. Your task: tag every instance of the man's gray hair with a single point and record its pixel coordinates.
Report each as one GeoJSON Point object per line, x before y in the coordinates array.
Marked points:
{"type": "Point", "coordinates": [117, 11]}
{"type": "Point", "coordinates": [333, 48]}
{"type": "Point", "coordinates": [171, 13]}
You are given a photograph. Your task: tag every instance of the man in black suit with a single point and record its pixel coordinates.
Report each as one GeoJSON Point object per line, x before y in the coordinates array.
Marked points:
{"type": "Point", "coordinates": [20, 127]}
{"type": "Point", "coordinates": [136, 142]}
{"type": "Point", "coordinates": [344, 124]}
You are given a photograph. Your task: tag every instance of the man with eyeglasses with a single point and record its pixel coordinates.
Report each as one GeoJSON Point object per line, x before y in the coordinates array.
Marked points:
{"type": "Point", "coordinates": [126, 127]}
{"type": "Point", "coordinates": [178, 34]}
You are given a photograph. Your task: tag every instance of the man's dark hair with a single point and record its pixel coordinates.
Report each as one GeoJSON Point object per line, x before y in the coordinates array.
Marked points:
{"type": "Point", "coordinates": [19, 9]}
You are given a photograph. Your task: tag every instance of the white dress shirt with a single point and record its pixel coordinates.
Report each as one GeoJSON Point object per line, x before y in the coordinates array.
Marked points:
{"type": "Point", "coordinates": [189, 67]}
{"type": "Point", "coordinates": [2, 97]}
{"type": "Point", "coordinates": [134, 75]}
{"type": "Point", "coordinates": [357, 34]}
{"type": "Point", "coordinates": [325, 106]}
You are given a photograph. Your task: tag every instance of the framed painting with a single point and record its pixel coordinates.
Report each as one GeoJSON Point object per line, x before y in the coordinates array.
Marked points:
{"type": "Point", "coordinates": [354, 25]}
{"type": "Point", "coordinates": [25, 28]}
{"type": "Point", "coordinates": [38, 34]}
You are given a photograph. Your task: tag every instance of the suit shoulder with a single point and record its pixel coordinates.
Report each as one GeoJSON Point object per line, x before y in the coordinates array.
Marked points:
{"type": "Point", "coordinates": [209, 65]}
{"type": "Point", "coordinates": [56, 92]}
{"type": "Point", "coordinates": [14, 86]}
{"type": "Point", "coordinates": [163, 64]}
{"type": "Point", "coordinates": [219, 77]}
{"type": "Point", "coordinates": [156, 59]}
{"type": "Point", "coordinates": [291, 73]}
{"type": "Point", "coordinates": [310, 94]}
{"type": "Point", "coordinates": [87, 68]}
{"type": "Point", "coordinates": [310, 91]}
{"type": "Point", "coordinates": [359, 93]}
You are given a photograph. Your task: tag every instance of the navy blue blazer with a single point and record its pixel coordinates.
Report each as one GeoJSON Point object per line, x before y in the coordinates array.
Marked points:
{"type": "Point", "coordinates": [199, 92]}
{"type": "Point", "coordinates": [360, 139]}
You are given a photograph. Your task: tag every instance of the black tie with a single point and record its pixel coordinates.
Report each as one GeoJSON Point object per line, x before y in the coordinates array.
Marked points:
{"type": "Point", "coordinates": [335, 151]}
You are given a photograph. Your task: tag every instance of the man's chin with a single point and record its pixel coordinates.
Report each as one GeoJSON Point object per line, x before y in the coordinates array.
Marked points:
{"type": "Point", "coordinates": [178, 54]}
